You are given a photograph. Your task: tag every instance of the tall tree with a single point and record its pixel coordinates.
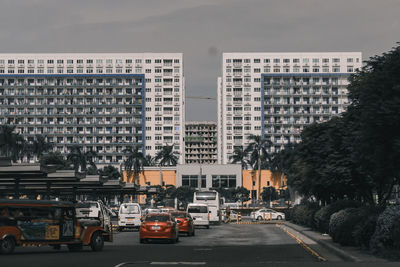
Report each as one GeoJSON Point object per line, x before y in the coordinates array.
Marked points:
{"type": "Point", "coordinates": [11, 144]}
{"type": "Point", "coordinates": [239, 156]}
{"type": "Point", "coordinates": [110, 172]}
{"type": "Point", "coordinates": [134, 162]}
{"type": "Point", "coordinates": [40, 145]}
{"type": "Point", "coordinates": [149, 161]}
{"type": "Point", "coordinates": [258, 153]}
{"type": "Point", "coordinates": [166, 157]}
{"type": "Point", "coordinates": [77, 158]}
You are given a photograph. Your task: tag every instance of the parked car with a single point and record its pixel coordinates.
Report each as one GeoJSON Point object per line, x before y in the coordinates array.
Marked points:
{"type": "Point", "coordinates": [159, 226]}
{"type": "Point", "coordinates": [200, 214]}
{"type": "Point", "coordinates": [184, 221]}
{"type": "Point", "coordinates": [129, 216]}
{"type": "Point", "coordinates": [266, 214]}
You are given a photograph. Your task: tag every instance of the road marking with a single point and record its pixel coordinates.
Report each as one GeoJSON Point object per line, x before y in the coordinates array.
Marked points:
{"type": "Point", "coordinates": [178, 263]}
{"type": "Point", "coordinates": [301, 243]}
{"type": "Point", "coordinates": [130, 263]}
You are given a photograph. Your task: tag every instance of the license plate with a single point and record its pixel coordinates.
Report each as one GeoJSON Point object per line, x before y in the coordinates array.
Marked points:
{"type": "Point", "coordinates": [155, 227]}
{"type": "Point", "coordinates": [130, 219]}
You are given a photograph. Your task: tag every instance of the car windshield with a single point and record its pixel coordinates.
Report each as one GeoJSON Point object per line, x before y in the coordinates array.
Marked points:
{"type": "Point", "coordinates": [179, 214]}
{"type": "Point", "coordinates": [129, 209]}
{"type": "Point", "coordinates": [198, 209]}
{"type": "Point", "coordinates": [157, 218]}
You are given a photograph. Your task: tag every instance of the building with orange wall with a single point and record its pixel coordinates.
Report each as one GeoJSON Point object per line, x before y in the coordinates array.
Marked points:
{"type": "Point", "coordinates": [249, 179]}
{"type": "Point", "coordinates": [268, 178]}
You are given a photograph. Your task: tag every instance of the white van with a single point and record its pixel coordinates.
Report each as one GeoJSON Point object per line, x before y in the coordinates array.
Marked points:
{"type": "Point", "coordinates": [200, 214]}
{"type": "Point", "coordinates": [129, 216]}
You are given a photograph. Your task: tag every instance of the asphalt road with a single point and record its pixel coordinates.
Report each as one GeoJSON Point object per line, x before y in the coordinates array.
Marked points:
{"type": "Point", "coordinates": [224, 245]}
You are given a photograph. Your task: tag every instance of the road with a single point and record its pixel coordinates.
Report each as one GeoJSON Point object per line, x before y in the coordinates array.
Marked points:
{"type": "Point", "coordinates": [223, 245]}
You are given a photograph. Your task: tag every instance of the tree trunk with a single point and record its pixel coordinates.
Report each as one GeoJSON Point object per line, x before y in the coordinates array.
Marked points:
{"type": "Point", "coordinates": [259, 176]}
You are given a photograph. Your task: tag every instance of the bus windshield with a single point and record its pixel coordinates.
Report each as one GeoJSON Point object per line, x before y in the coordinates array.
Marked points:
{"type": "Point", "coordinates": [198, 209]}
{"type": "Point", "coordinates": [206, 195]}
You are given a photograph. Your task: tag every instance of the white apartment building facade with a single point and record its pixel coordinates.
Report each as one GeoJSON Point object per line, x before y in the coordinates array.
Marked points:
{"type": "Point", "coordinates": [105, 102]}
{"type": "Point", "coordinates": [276, 95]}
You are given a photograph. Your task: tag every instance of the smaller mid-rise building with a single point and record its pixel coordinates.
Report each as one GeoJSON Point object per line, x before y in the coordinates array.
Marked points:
{"type": "Point", "coordinates": [201, 142]}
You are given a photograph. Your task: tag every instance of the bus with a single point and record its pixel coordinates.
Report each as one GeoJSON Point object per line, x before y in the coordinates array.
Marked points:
{"type": "Point", "coordinates": [213, 200]}
{"type": "Point", "coordinates": [52, 223]}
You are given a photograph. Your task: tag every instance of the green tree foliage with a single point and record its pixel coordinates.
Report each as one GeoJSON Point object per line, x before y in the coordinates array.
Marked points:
{"type": "Point", "coordinates": [239, 156]}
{"type": "Point", "coordinates": [357, 155]}
{"type": "Point", "coordinates": [11, 144]}
{"type": "Point", "coordinates": [167, 156]}
{"type": "Point", "coordinates": [134, 161]}
{"type": "Point", "coordinates": [54, 158]}
{"type": "Point", "coordinates": [269, 194]}
{"type": "Point", "coordinates": [110, 172]}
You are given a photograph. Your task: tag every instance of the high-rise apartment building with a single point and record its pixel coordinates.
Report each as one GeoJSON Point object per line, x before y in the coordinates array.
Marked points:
{"type": "Point", "coordinates": [103, 101]}
{"type": "Point", "coordinates": [276, 95]}
{"type": "Point", "coordinates": [201, 142]}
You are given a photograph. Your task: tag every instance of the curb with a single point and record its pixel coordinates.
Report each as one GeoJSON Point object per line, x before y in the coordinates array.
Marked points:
{"type": "Point", "coordinates": [337, 251]}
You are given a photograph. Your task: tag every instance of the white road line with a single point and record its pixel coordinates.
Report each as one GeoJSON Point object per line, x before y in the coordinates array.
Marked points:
{"type": "Point", "coordinates": [178, 263]}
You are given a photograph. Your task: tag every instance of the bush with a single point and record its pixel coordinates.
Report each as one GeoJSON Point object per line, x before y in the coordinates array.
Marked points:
{"type": "Point", "coordinates": [387, 232]}
{"type": "Point", "coordinates": [364, 230]}
{"type": "Point", "coordinates": [323, 216]}
{"type": "Point", "coordinates": [303, 214]}
{"type": "Point", "coordinates": [343, 222]}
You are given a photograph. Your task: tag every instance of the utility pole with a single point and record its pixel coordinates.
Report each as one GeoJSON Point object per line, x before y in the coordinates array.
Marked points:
{"type": "Point", "coordinates": [199, 179]}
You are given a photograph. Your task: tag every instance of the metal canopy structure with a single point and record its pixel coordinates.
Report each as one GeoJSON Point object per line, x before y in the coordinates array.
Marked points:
{"type": "Point", "coordinates": [33, 180]}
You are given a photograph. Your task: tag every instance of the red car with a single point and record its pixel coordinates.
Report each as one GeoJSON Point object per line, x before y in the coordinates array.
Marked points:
{"type": "Point", "coordinates": [159, 226]}
{"type": "Point", "coordinates": [184, 221]}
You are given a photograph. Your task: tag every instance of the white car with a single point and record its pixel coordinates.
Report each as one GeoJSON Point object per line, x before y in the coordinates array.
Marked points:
{"type": "Point", "coordinates": [266, 214]}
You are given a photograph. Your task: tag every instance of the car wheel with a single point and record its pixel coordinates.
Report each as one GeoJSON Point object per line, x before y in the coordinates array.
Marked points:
{"type": "Point", "coordinates": [279, 217]}
{"type": "Point", "coordinates": [141, 241]}
{"type": "Point", "coordinates": [75, 247]}
{"type": "Point", "coordinates": [177, 239]}
{"type": "Point", "coordinates": [7, 245]}
{"type": "Point", "coordinates": [97, 241]}
{"type": "Point", "coordinates": [120, 229]}
{"type": "Point", "coordinates": [56, 247]}
{"type": "Point", "coordinates": [193, 232]}
{"type": "Point", "coordinates": [207, 227]}
{"type": "Point", "coordinates": [259, 218]}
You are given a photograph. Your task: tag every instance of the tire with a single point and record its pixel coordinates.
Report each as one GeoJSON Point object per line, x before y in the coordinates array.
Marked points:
{"type": "Point", "coordinates": [75, 247]}
{"type": "Point", "coordinates": [56, 247]}
{"type": "Point", "coordinates": [207, 227]}
{"type": "Point", "coordinates": [97, 241]}
{"type": "Point", "coordinates": [177, 238]}
{"type": "Point", "coordinates": [7, 245]}
{"type": "Point", "coordinates": [120, 229]}
{"type": "Point", "coordinates": [141, 241]}
{"type": "Point", "coordinates": [279, 217]}
{"type": "Point", "coordinates": [259, 218]}
{"type": "Point", "coordinates": [193, 232]}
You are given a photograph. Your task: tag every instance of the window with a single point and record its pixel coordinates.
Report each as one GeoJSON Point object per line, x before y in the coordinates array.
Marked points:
{"type": "Point", "coordinates": [224, 181]}
{"type": "Point", "coordinates": [191, 180]}
{"type": "Point", "coordinates": [296, 60]}
{"type": "Point", "coordinates": [286, 60]}
{"type": "Point", "coordinates": [256, 60]}
{"type": "Point", "coordinates": [266, 60]}
{"type": "Point", "coordinates": [277, 60]}
{"type": "Point", "coordinates": [336, 60]}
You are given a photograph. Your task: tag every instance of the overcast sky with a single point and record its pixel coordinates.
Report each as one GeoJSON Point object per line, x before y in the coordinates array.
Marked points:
{"type": "Point", "coordinates": [201, 29]}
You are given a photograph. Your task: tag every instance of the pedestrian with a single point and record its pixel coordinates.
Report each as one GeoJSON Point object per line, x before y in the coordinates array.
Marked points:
{"type": "Point", "coordinates": [228, 214]}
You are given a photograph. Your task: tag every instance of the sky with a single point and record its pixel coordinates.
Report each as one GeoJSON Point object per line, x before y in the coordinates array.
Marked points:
{"type": "Point", "coordinates": [201, 30]}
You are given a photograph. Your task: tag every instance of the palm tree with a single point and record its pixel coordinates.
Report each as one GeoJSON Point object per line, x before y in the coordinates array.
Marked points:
{"type": "Point", "coordinates": [40, 146]}
{"type": "Point", "coordinates": [239, 156]}
{"type": "Point", "coordinates": [258, 154]}
{"type": "Point", "coordinates": [166, 157]}
{"type": "Point", "coordinates": [134, 162]}
{"type": "Point", "coordinates": [11, 144]}
{"type": "Point", "coordinates": [77, 158]}
{"type": "Point", "coordinates": [149, 161]}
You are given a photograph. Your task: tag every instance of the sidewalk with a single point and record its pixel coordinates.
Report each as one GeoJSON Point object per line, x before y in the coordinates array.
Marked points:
{"type": "Point", "coordinates": [352, 254]}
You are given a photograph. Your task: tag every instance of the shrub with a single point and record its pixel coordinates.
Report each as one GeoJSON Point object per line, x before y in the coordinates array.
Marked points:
{"type": "Point", "coordinates": [343, 222]}
{"type": "Point", "coordinates": [303, 214]}
{"type": "Point", "coordinates": [323, 216]}
{"type": "Point", "coordinates": [364, 230]}
{"type": "Point", "coordinates": [387, 232]}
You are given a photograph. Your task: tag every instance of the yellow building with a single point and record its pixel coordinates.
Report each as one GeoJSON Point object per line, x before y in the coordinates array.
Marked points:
{"type": "Point", "coordinates": [268, 178]}
{"type": "Point", "coordinates": [151, 176]}
{"type": "Point", "coordinates": [249, 179]}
